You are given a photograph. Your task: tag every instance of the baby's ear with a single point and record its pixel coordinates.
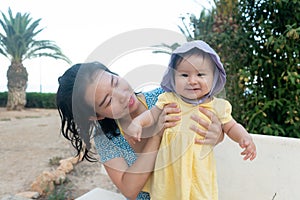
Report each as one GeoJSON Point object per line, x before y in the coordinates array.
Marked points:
{"type": "Point", "coordinates": [94, 118]}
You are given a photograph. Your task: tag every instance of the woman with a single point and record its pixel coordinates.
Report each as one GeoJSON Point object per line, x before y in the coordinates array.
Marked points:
{"type": "Point", "coordinates": [95, 102]}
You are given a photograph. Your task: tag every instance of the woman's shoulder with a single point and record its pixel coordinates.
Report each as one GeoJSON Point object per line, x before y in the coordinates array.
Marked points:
{"type": "Point", "coordinates": [111, 148]}
{"type": "Point", "coordinates": [153, 92]}
{"type": "Point", "coordinates": [152, 96]}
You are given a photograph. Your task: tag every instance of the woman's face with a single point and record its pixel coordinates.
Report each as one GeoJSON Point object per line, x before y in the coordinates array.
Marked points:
{"type": "Point", "coordinates": [111, 96]}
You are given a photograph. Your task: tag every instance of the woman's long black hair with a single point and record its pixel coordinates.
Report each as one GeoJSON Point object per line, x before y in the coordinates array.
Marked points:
{"type": "Point", "coordinates": [75, 112]}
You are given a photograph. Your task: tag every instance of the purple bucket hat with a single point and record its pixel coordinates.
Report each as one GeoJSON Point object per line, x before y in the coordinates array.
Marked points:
{"type": "Point", "coordinates": [168, 83]}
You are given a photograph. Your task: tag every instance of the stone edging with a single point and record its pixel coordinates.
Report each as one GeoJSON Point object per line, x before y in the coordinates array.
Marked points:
{"type": "Point", "coordinates": [45, 183]}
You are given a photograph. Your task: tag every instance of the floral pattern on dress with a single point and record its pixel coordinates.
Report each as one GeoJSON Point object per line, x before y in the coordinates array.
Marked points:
{"type": "Point", "coordinates": [119, 147]}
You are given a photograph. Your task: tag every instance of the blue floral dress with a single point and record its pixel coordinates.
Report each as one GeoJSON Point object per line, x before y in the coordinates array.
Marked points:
{"type": "Point", "coordinates": [119, 147]}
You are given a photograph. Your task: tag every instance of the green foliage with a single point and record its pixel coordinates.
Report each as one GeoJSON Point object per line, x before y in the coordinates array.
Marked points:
{"type": "Point", "coordinates": [223, 33]}
{"type": "Point", "coordinates": [54, 161]}
{"type": "Point", "coordinates": [3, 99]}
{"type": "Point", "coordinates": [273, 28]}
{"type": "Point", "coordinates": [63, 191]}
{"type": "Point", "coordinates": [17, 43]}
{"type": "Point", "coordinates": [40, 100]}
{"type": "Point", "coordinates": [34, 100]}
{"type": "Point", "coordinates": [258, 43]}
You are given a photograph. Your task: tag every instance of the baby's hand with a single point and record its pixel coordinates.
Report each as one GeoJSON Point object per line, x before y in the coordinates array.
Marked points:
{"type": "Point", "coordinates": [135, 131]}
{"type": "Point", "coordinates": [249, 148]}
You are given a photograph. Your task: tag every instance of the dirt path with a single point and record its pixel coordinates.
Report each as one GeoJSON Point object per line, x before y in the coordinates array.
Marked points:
{"type": "Point", "coordinates": [28, 140]}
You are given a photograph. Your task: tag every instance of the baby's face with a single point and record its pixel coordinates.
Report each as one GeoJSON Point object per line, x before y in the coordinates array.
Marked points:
{"type": "Point", "coordinates": [194, 77]}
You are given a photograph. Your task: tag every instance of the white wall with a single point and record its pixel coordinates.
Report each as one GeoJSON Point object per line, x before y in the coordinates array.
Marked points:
{"type": "Point", "coordinates": [274, 174]}
{"type": "Point", "coordinates": [99, 193]}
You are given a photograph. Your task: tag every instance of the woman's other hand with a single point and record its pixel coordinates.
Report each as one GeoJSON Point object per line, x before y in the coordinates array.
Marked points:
{"type": "Point", "coordinates": [168, 117]}
{"type": "Point", "coordinates": [213, 133]}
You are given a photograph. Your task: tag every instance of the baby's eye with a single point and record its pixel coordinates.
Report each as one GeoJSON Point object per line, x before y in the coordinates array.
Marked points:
{"type": "Point", "coordinates": [184, 75]}
{"type": "Point", "coordinates": [201, 74]}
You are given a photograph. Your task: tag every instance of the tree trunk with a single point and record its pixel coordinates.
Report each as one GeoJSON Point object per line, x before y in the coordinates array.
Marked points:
{"type": "Point", "coordinates": [17, 77]}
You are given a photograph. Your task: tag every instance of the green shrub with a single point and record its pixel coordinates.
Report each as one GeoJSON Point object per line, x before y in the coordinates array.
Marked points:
{"type": "Point", "coordinates": [258, 43]}
{"type": "Point", "coordinates": [62, 191]}
{"type": "Point", "coordinates": [3, 99]}
{"type": "Point", "coordinates": [272, 76]}
{"type": "Point", "coordinates": [34, 100]}
{"type": "Point", "coordinates": [40, 100]}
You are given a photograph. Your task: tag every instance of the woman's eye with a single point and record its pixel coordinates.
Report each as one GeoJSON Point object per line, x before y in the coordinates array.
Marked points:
{"type": "Point", "coordinates": [109, 102]}
{"type": "Point", "coordinates": [116, 82]}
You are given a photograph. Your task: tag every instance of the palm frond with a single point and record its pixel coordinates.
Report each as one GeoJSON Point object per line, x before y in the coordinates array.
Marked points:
{"type": "Point", "coordinates": [18, 41]}
{"type": "Point", "coordinates": [165, 48]}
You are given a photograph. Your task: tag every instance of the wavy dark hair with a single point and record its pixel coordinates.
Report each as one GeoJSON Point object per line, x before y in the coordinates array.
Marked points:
{"type": "Point", "coordinates": [75, 112]}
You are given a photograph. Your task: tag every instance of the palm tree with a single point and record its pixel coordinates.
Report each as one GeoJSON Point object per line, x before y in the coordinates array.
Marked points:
{"type": "Point", "coordinates": [18, 44]}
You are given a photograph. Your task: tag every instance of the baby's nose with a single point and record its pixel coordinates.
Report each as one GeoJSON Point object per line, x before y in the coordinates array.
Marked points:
{"type": "Point", "coordinates": [192, 79]}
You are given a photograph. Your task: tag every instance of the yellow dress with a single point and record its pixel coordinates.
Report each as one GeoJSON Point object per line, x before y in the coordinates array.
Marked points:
{"type": "Point", "coordinates": [184, 170]}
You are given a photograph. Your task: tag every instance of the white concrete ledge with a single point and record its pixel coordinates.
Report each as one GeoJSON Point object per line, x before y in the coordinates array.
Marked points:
{"type": "Point", "coordinates": [101, 194]}
{"type": "Point", "coordinates": [274, 174]}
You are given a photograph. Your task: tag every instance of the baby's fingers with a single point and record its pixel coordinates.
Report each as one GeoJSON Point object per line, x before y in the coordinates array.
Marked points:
{"type": "Point", "coordinates": [132, 140]}
{"type": "Point", "coordinates": [138, 137]}
{"type": "Point", "coordinates": [244, 144]}
{"type": "Point", "coordinates": [249, 154]}
{"type": "Point", "coordinates": [253, 156]}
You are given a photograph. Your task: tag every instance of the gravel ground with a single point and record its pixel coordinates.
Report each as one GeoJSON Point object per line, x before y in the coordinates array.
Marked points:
{"type": "Point", "coordinates": [29, 139]}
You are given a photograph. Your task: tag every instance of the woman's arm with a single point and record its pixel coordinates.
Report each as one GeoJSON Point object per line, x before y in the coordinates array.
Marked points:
{"type": "Point", "coordinates": [131, 180]}
{"type": "Point", "coordinates": [213, 132]}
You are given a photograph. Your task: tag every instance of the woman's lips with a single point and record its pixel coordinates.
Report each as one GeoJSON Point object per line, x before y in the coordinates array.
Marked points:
{"type": "Point", "coordinates": [131, 101]}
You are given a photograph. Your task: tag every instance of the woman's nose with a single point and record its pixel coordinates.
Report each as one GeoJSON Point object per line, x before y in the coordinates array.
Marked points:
{"type": "Point", "coordinates": [120, 95]}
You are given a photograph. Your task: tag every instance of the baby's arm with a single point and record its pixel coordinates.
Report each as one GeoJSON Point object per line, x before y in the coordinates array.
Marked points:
{"type": "Point", "coordinates": [146, 119]}
{"type": "Point", "coordinates": [240, 135]}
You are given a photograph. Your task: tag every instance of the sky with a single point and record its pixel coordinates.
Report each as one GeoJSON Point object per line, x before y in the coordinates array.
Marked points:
{"type": "Point", "coordinates": [81, 28]}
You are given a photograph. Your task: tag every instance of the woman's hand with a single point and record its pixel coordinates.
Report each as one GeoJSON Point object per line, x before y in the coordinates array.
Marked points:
{"type": "Point", "coordinates": [167, 119]}
{"type": "Point", "coordinates": [213, 133]}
